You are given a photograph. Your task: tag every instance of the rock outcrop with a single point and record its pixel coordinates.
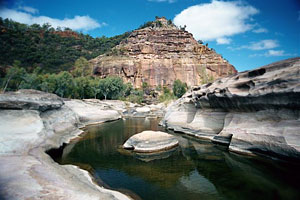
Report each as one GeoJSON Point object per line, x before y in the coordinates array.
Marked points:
{"type": "Point", "coordinates": [32, 122]}
{"type": "Point", "coordinates": [90, 112]}
{"type": "Point", "coordinates": [255, 111]}
{"type": "Point", "coordinates": [151, 141]}
{"type": "Point", "coordinates": [30, 99]}
{"type": "Point", "coordinates": [159, 54]}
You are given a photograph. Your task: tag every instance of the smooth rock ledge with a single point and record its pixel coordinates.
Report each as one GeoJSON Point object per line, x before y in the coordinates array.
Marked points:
{"type": "Point", "coordinates": [151, 141]}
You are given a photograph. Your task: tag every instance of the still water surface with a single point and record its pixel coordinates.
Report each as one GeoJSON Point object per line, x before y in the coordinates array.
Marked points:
{"type": "Point", "coordinates": [195, 170]}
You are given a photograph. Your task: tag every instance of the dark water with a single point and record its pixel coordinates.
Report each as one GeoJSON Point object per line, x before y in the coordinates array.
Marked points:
{"type": "Point", "coordinates": [195, 170]}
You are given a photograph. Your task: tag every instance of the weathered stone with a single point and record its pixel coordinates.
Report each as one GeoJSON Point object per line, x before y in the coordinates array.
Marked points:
{"type": "Point", "coordinates": [159, 56]}
{"type": "Point", "coordinates": [93, 112]}
{"type": "Point", "coordinates": [150, 141]}
{"type": "Point", "coordinates": [26, 171]}
{"type": "Point", "coordinates": [259, 108]}
{"type": "Point", "coordinates": [30, 100]}
{"type": "Point", "coordinates": [19, 130]}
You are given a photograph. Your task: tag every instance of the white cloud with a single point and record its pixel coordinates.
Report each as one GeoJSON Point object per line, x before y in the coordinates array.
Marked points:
{"type": "Point", "coordinates": [275, 53]}
{"type": "Point", "coordinates": [28, 9]}
{"type": "Point", "coordinates": [223, 41]}
{"type": "Point", "coordinates": [272, 52]}
{"type": "Point", "coordinates": [76, 23]}
{"type": "Point", "coordinates": [260, 30]}
{"type": "Point", "coordinates": [261, 45]}
{"type": "Point", "coordinates": [216, 20]}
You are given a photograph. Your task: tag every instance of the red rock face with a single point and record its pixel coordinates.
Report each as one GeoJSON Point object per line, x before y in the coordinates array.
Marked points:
{"type": "Point", "coordinates": [159, 55]}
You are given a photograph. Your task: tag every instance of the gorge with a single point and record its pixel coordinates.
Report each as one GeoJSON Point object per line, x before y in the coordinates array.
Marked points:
{"type": "Point", "coordinates": [254, 112]}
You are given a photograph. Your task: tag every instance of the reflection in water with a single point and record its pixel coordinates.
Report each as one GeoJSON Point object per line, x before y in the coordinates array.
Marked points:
{"type": "Point", "coordinates": [196, 183]}
{"type": "Point", "coordinates": [195, 170]}
{"type": "Point", "coordinates": [147, 157]}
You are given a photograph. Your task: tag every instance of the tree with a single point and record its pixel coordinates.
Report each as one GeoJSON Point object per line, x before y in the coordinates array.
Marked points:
{"type": "Point", "coordinates": [49, 83]}
{"type": "Point", "coordinates": [82, 87]}
{"type": "Point", "coordinates": [14, 77]}
{"type": "Point", "coordinates": [111, 87]}
{"type": "Point", "coordinates": [95, 87]}
{"type": "Point", "coordinates": [65, 84]}
{"type": "Point", "coordinates": [179, 88]}
{"type": "Point", "coordinates": [200, 41]}
{"type": "Point", "coordinates": [128, 88]}
{"type": "Point", "coordinates": [82, 68]}
{"type": "Point", "coordinates": [30, 81]}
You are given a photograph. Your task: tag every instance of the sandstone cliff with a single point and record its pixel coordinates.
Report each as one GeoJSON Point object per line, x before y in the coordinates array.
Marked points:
{"type": "Point", "coordinates": [259, 109]}
{"type": "Point", "coordinates": [160, 54]}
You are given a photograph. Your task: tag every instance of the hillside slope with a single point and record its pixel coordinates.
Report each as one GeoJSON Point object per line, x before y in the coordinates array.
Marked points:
{"type": "Point", "coordinates": [158, 54]}
{"type": "Point", "coordinates": [51, 49]}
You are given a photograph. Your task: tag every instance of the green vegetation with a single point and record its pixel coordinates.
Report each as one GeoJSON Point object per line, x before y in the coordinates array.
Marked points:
{"type": "Point", "coordinates": [158, 24]}
{"type": "Point", "coordinates": [167, 95]}
{"type": "Point", "coordinates": [80, 85]}
{"type": "Point", "coordinates": [136, 96]}
{"type": "Point", "coordinates": [56, 61]}
{"type": "Point", "coordinates": [53, 50]}
{"type": "Point", "coordinates": [64, 84]}
{"type": "Point", "coordinates": [204, 76]}
{"type": "Point", "coordinates": [81, 68]}
{"type": "Point", "coordinates": [147, 24]}
{"type": "Point", "coordinates": [179, 88]}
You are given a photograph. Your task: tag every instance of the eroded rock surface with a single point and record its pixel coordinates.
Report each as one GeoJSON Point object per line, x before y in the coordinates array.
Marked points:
{"type": "Point", "coordinates": [158, 55]}
{"type": "Point", "coordinates": [259, 109]}
{"type": "Point", "coordinates": [93, 111]}
{"type": "Point", "coordinates": [29, 126]}
{"type": "Point", "coordinates": [30, 100]}
{"type": "Point", "coordinates": [151, 141]}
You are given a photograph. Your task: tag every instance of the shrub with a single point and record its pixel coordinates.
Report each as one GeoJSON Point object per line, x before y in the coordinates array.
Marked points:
{"type": "Point", "coordinates": [179, 88]}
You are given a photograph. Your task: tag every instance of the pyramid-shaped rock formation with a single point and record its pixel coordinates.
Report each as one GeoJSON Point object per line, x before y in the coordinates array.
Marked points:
{"type": "Point", "coordinates": [159, 54]}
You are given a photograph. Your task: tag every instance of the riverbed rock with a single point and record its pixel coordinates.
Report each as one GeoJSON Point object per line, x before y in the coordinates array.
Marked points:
{"type": "Point", "coordinates": [30, 100]}
{"type": "Point", "coordinates": [151, 141]}
{"type": "Point", "coordinates": [93, 112]}
{"type": "Point", "coordinates": [20, 129]}
{"type": "Point", "coordinates": [259, 109]}
{"type": "Point", "coordinates": [29, 129]}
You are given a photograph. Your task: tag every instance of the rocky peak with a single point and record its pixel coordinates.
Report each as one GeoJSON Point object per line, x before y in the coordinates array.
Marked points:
{"type": "Point", "coordinates": [159, 53]}
{"type": "Point", "coordinates": [162, 20]}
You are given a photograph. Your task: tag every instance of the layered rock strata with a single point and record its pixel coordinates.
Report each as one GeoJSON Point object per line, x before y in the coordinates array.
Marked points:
{"type": "Point", "coordinates": [32, 122]}
{"type": "Point", "coordinates": [160, 54]}
{"type": "Point", "coordinates": [255, 111]}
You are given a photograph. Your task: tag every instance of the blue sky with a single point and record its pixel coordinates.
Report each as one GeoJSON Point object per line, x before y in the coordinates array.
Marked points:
{"type": "Point", "coordinates": [248, 33]}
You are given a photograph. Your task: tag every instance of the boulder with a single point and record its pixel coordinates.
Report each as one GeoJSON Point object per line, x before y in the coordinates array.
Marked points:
{"type": "Point", "coordinates": [151, 141]}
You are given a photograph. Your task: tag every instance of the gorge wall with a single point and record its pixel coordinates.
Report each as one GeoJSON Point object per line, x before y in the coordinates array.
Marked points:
{"type": "Point", "coordinates": [255, 111]}
{"type": "Point", "coordinates": [159, 54]}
